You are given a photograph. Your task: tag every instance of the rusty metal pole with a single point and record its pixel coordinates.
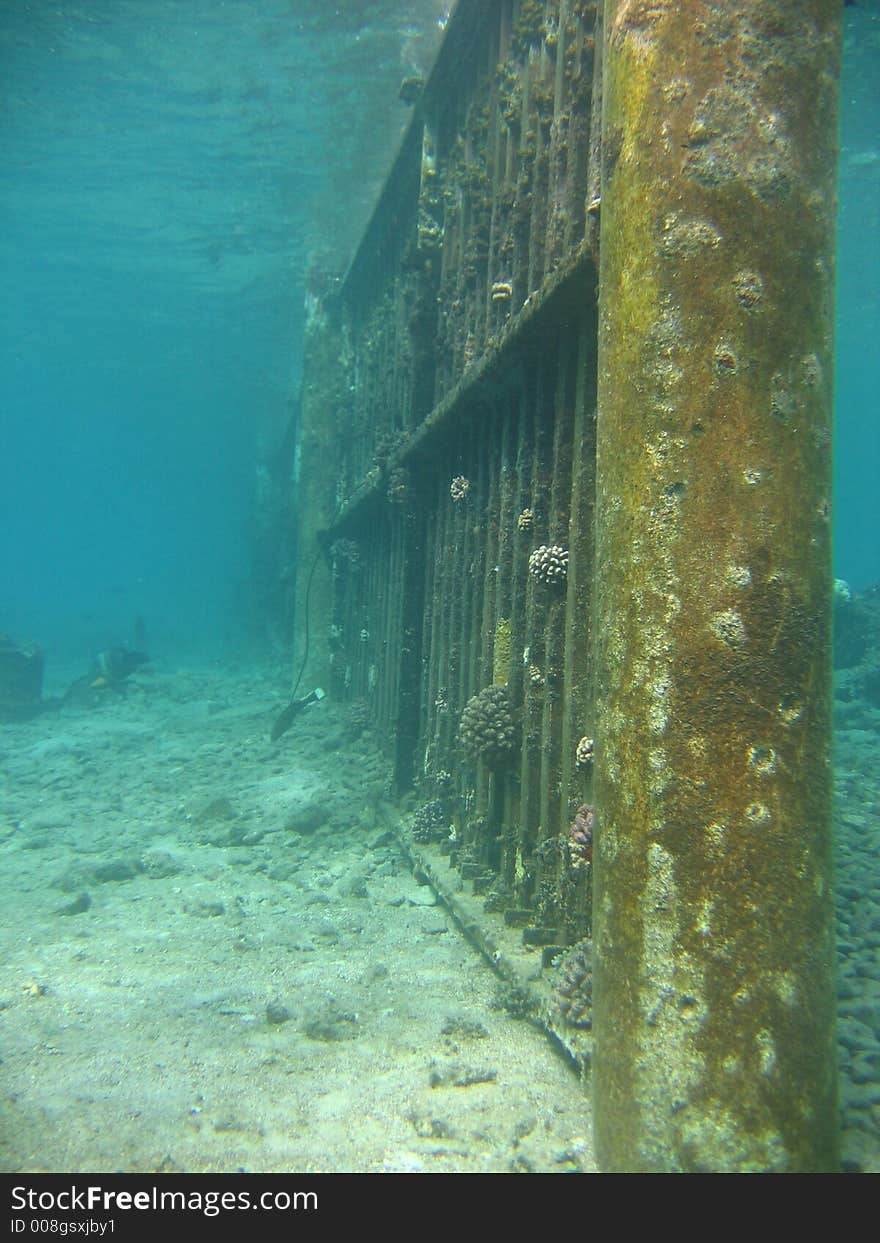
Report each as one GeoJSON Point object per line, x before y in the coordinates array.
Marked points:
{"type": "Point", "coordinates": [713, 991]}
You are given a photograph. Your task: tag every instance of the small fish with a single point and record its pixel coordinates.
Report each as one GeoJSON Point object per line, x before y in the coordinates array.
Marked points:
{"type": "Point", "coordinates": [293, 709]}
{"type": "Point", "coordinates": [111, 668]}
{"type": "Point", "coordinates": [114, 664]}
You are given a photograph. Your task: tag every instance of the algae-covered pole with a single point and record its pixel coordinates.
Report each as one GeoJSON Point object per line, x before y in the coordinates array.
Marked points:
{"type": "Point", "coordinates": [713, 991]}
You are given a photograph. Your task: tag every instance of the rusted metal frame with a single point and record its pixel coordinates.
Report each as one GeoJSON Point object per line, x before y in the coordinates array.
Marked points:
{"type": "Point", "coordinates": [557, 154]}
{"type": "Point", "coordinates": [521, 536]}
{"type": "Point", "coordinates": [531, 329]}
{"type": "Point", "coordinates": [532, 700]}
{"type": "Point", "coordinates": [351, 596]}
{"type": "Point", "coordinates": [578, 673]}
{"type": "Point", "coordinates": [487, 92]}
{"type": "Point", "coordinates": [367, 616]}
{"type": "Point", "coordinates": [442, 122]}
{"type": "Point", "coordinates": [521, 212]}
{"type": "Point", "coordinates": [402, 374]}
{"type": "Point", "coordinates": [714, 946]}
{"type": "Point", "coordinates": [386, 655]}
{"type": "Point", "coordinates": [404, 397]}
{"type": "Point", "coordinates": [583, 115]}
{"type": "Point", "coordinates": [392, 637]}
{"type": "Point", "coordinates": [377, 626]}
{"type": "Point", "coordinates": [467, 638]}
{"type": "Point", "coordinates": [446, 604]}
{"type": "Point", "coordinates": [427, 675]}
{"type": "Point", "coordinates": [456, 661]}
{"type": "Point", "coordinates": [358, 614]}
{"type": "Point", "coordinates": [384, 237]}
{"type": "Point", "coordinates": [484, 638]}
{"type": "Point", "coordinates": [483, 648]}
{"type": "Point", "coordinates": [476, 265]}
{"type": "Point", "coordinates": [438, 708]}
{"type": "Point", "coordinates": [554, 601]}
{"type": "Point", "coordinates": [340, 618]}
{"type": "Point", "coordinates": [370, 395]}
{"type": "Point", "coordinates": [478, 517]}
{"type": "Point", "coordinates": [502, 570]}
{"type": "Point", "coordinates": [408, 660]}
{"type": "Point", "coordinates": [380, 643]}
{"type": "Point", "coordinates": [441, 737]}
{"type": "Point", "coordinates": [496, 221]}
{"type": "Point", "coordinates": [538, 69]}
{"type": "Point", "coordinates": [392, 372]}
{"type": "Point", "coordinates": [378, 646]}
{"type": "Point", "coordinates": [560, 695]}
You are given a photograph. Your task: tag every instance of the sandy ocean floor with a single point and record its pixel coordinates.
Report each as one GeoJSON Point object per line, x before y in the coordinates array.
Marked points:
{"type": "Point", "coordinates": [213, 957]}
{"type": "Point", "coordinates": [857, 887]}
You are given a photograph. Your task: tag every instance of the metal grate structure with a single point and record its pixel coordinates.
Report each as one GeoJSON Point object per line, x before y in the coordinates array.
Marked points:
{"type": "Point", "coordinates": [551, 491]}
{"type": "Point", "coordinates": [466, 331]}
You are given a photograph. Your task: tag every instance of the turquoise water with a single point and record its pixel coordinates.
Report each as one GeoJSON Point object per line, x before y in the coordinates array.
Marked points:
{"type": "Point", "coordinates": [171, 171]}
{"type": "Point", "coordinates": [857, 501]}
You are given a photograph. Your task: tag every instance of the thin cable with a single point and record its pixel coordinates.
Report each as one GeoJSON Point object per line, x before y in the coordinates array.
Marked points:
{"type": "Point", "coordinates": [305, 658]}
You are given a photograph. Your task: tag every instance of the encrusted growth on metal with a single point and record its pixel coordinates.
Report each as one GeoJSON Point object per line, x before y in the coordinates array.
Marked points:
{"type": "Point", "coordinates": [713, 957]}
{"type": "Point", "coordinates": [639, 599]}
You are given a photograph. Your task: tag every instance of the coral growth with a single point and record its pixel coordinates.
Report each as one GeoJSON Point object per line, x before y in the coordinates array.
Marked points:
{"type": "Point", "coordinates": [397, 489]}
{"type": "Point", "coordinates": [487, 729]}
{"type": "Point", "coordinates": [501, 652]}
{"type": "Point", "coordinates": [459, 488]}
{"type": "Point", "coordinates": [430, 822]}
{"type": "Point", "coordinates": [579, 843]}
{"type": "Point", "coordinates": [549, 563]}
{"type": "Point", "coordinates": [584, 754]}
{"type": "Point", "coordinates": [573, 991]}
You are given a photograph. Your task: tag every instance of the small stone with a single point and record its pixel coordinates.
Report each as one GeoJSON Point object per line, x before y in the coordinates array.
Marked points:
{"type": "Point", "coordinates": [432, 1128]}
{"type": "Point", "coordinates": [329, 1025]}
{"type": "Point", "coordinates": [114, 870]}
{"type": "Point", "coordinates": [421, 895]}
{"type": "Point", "coordinates": [463, 1029]}
{"type": "Point", "coordinates": [277, 1012]}
{"type": "Point", "coordinates": [219, 808]}
{"type": "Point", "coordinates": [203, 908]}
{"type": "Point", "coordinates": [80, 904]}
{"type": "Point", "coordinates": [459, 1075]}
{"type": "Point", "coordinates": [157, 864]}
{"type": "Point", "coordinates": [306, 817]}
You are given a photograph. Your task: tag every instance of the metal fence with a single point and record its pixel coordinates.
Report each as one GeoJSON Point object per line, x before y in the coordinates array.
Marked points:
{"type": "Point", "coordinates": [454, 372]}
{"type": "Point", "coordinates": [489, 568]}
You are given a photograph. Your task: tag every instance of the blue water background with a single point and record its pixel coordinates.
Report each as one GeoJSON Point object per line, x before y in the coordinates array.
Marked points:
{"type": "Point", "coordinates": [169, 171]}
{"type": "Point", "coordinates": [857, 367]}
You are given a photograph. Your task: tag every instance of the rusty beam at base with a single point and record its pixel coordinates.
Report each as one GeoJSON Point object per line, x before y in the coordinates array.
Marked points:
{"type": "Point", "coordinates": [527, 987]}
{"type": "Point", "coordinates": [713, 991]}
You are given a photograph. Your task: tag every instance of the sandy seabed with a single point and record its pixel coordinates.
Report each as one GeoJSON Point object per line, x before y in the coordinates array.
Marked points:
{"type": "Point", "coordinates": [213, 956]}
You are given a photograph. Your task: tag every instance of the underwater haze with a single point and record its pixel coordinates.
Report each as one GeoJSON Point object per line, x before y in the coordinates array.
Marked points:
{"type": "Point", "coordinates": [169, 172]}
{"type": "Point", "coordinates": [169, 169]}
{"type": "Point", "coordinates": [857, 365]}
{"type": "Point", "coordinates": [218, 951]}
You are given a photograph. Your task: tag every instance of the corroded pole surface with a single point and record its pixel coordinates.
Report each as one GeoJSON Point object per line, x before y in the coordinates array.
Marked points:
{"type": "Point", "coordinates": [713, 986]}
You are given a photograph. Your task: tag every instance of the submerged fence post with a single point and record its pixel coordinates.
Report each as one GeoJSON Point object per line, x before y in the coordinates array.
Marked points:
{"type": "Point", "coordinates": [713, 922]}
